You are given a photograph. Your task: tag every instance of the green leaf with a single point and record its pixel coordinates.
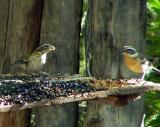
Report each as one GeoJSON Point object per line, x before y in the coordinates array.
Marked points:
{"type": "Point", "coordinates": [154, 4]}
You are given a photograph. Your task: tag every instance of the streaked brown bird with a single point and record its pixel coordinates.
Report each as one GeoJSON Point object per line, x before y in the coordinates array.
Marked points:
{"type": "Point", "coordinates": [36, 61]}
{"type": "Point", "coordinates": [135, 63]}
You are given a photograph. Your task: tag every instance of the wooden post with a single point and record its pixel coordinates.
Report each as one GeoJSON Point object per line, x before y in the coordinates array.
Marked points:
{"type": "Point", "coordinates": [61, 27]}
{"type": "Point", "coordinates": [19, 34]}
{"type": "Point", "coordinates": [112, 25]}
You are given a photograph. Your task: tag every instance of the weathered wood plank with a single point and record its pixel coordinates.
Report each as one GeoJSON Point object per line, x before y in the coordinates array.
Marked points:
{"type": "Point", "coordinates": [112, 25]}
{"type": "Point", "coordinates": [120, 90]}
{"type": "Point", "coordinates": [23, 29]}
{"type": "Point", "coordinates": [3, 29]}
{"type": "Point", "coordinates": [15, 119]}
{"type": "Point", "coordinates": [19, 34]}
{"type": "Point", "coordinates": [61, 27]}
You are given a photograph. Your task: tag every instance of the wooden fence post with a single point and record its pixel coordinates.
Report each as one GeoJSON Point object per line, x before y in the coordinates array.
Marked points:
{"type": "Point", "coordinates": [19, 34]}
{"type": "Point", "coordinates": [61, 27]}
{"type": "Point", "coordinates": [112, 25]}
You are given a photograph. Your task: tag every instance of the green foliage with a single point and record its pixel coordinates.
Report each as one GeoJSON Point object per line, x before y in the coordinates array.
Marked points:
{"type": "Point", "coordinates": [82, 69]}
{"type": "Point", "coordinates": [82, 114]}
{"type": "Point", "coordinates": [153, 28]}
{"type": "Point", "coordinates": [82, 57]}
{"type": "Point", "coordinates": [152, 102]}
{"type": "Point", "coordinates": [153, 120]}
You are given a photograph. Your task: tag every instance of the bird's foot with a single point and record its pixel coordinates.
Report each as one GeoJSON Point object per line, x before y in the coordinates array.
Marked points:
{"type": "Point", "coordinates": [141, 81]}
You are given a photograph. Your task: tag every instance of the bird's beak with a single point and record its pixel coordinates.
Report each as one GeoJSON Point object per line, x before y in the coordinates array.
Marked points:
{"type": "Point", "coordinates": [52, 48]}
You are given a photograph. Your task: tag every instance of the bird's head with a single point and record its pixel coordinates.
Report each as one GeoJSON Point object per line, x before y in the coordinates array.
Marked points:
{"type": "Point", "coordinates": [129, 51]}
{"type": "Point", "coordinates": [45, 48]}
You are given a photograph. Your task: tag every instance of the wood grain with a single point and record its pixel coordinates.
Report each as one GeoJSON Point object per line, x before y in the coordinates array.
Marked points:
{"type": "Point", "coordinates": [19, 35]}
{"type": "Point", "coordinates": [61, 27]}
{"type": "Point", "coordinates": [112, 25]}
{"type": "Point", "coordinates": [23, 29]}
{"type": "Point", "coordinates": [3, 29]}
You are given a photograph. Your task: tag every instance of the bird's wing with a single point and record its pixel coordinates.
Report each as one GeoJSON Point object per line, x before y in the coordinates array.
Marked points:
{"type": "Point", "coordinates": [152, 59]}
{"type": "Point", "coordinates": [21, 61]}
{"type": "Point", "coordinates": [145, 59]}
{"type": "Point", "coordinates": [150, 64]}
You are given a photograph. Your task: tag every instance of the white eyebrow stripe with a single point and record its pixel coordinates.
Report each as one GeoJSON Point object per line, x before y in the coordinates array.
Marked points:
{"type": "Point", "coordinates": [129, 47]}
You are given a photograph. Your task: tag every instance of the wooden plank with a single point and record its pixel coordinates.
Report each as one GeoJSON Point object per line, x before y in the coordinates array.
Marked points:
{"type": "Point", "coordinates": [3, 29]}
{"type": "Point", "coordinates": [23, 29]}
{"type": "Point", "coordinates": [61, 27]}
{"type": "Point", "coordinates": [125, 91]}
{"type": "Point", "coordinates": [112, 25]}
{"type": "Point", "coordinates": [19, 34]}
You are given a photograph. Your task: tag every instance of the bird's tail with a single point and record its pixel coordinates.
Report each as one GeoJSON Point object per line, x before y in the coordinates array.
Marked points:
{"type": "Point", "coordinates": [156, 69]}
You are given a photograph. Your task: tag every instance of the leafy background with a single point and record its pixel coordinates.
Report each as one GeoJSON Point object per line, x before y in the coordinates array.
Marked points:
{"type": "Point", "coordinates": [152, 99]}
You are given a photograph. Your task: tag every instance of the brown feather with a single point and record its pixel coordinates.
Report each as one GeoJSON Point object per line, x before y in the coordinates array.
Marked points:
{"type": "Point", "coordinates": [134, 64]}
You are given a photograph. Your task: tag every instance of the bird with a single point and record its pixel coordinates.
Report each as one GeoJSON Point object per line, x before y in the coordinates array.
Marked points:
{"type": "Point", "coordinates": [36, 60]}
{"type": "Point", "coordinates": [135, 63]}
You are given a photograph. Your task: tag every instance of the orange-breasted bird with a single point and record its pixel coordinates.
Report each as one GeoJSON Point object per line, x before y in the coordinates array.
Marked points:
{"type": "Point", "coordinates": [36, 60]}
{"type": "Point", "coordinates": [135, 63]}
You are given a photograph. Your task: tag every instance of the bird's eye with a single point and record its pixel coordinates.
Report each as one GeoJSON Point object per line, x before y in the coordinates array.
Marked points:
{"type": "Point", "coordinates": [128, 50]}
{"type": "Point", "coordinates": [131, 51]}
{"type": "Point", "coordinates": [45, 46]}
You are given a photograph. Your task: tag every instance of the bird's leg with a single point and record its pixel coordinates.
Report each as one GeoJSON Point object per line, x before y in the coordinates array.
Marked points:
{"type": "Point", "coordinates": [142, 78]}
